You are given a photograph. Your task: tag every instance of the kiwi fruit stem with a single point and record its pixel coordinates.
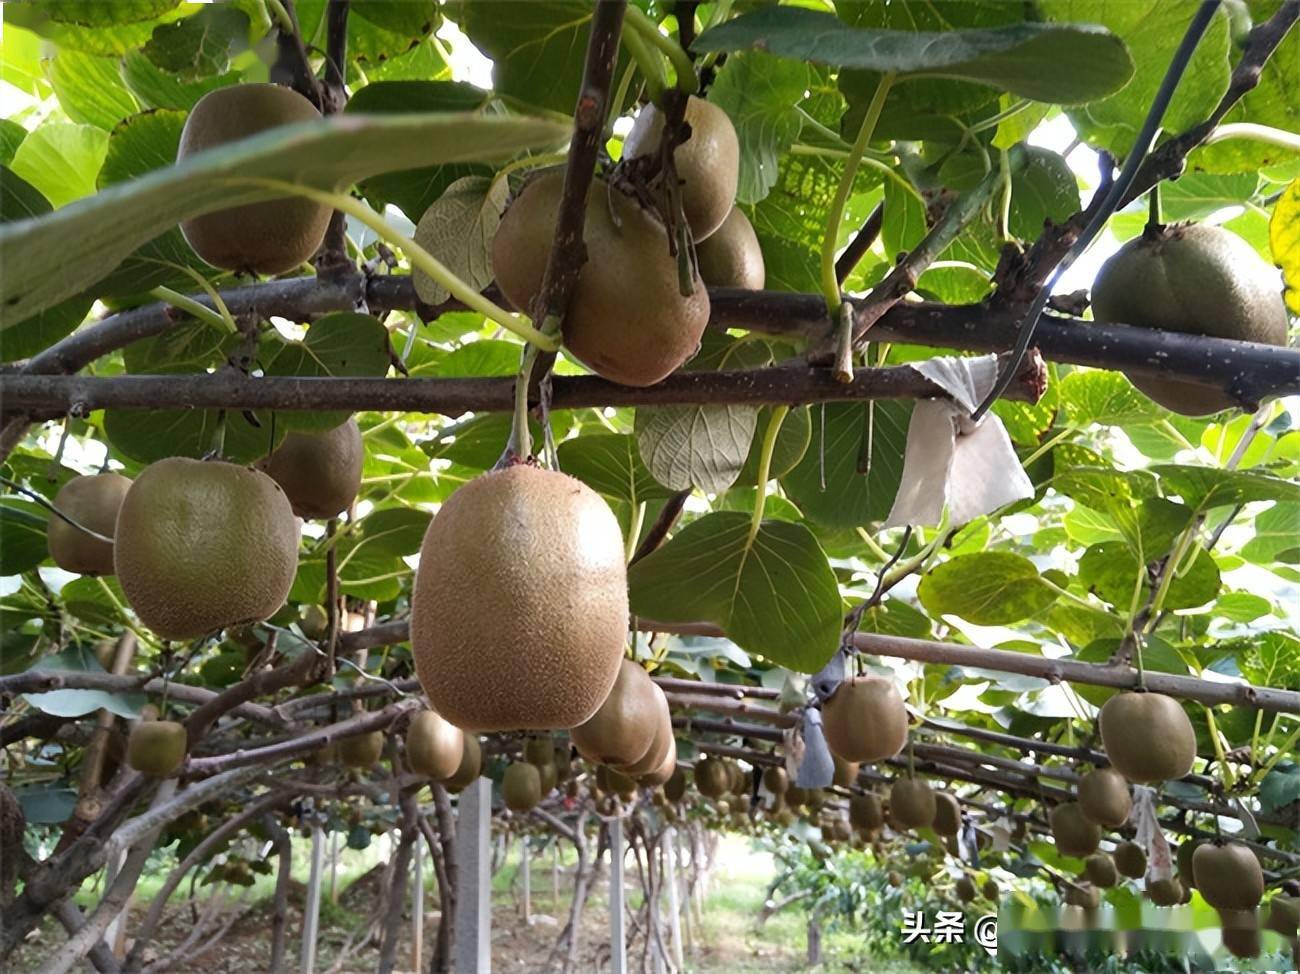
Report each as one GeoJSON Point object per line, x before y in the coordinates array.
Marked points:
{"type": "Point", "coordinates": [420, 258]}
{"type": "Point", "coordinates": [521, 437]}
{"type": "Point", "coordinates": [650, 63]}
{"type": "Point", "coordinates": [282, 18]}
{"type": "Point", "coordinates": [678, 58]}
{"type": "Point", "coordinates": [1256, 133]}
{"type": "Point", "coordinates": [765, 467]}
{"type": "Point", "coordinates": [835, 216]}
{"type": "Point", "coordinates": [201, 311]}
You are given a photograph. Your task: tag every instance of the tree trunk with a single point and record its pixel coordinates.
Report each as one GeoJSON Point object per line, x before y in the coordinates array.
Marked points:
{"type": "Point", "coordinates": [280, 915]}
{"type": "Point", "coordinates": [814, 942]}
{"type": "Point", "coordinates": [401, 867]}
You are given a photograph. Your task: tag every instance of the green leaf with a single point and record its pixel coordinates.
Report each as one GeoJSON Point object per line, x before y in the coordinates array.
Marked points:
{"type": "Point", "coordinates": [141, 144]}
{"type": "Point", "coordinates": [1065, 64]}
{"type": "Point", "coordinates": [201, 44]}
{"type": "Point", "coordinates": [90, 89]}
{"type": "Point", "coordinates": [22, 536]}
{"type": "Point", "coordinates": [1105, 398]}
{"type": "Point", "coordinates": [1277, 536]}
{"type": "Point", "coordinates": [147, 435]}
{"type": "Point", "coordinates": [392, 531]}
{"type": "Point", "coordinates": [48, 803]}
{"type": "Point", "coordinates": [61, 160]}
{"type": "Point", "coordinates": [1269, 659]}
{"type": "Point", "coordinates": [791, 219]}
{"type": "Point", "coordinates": [1152, 30]}
{"type": "Point", "coordinates": [77, 703]}
{"type": "Point", "coordinates": [791, 444]}
{"type": "Point", "coordinates": [487, 357]}
{"type": "Point", "coordinates": [1208, 487]}
{"type": "Point", "coordinates": [894, 617]}
{"type": "Point", "coordinates": [158, 89]}
{"type": "Point", "coordinates": [1280, 787]}
{"type": "Point", "coordinates": [1197, 195]}
{"type": "Point", "coordinates": [903, 224]}
{"type": "Point", "coordinates": [20, 59]}
{"type": "Point", "coordinates": [610, 464]}
{"type": "Point", "coordinates": [989, 588]}
{"type": "Point", "coordinates": [761, 94]}
{"type": "Point", "coordinates": [776, 596]}
{"type": "Point", "coordinates": [1044, 189]}
{"type": "Point", "coordinates": [326, 153]}
{"type": "Point", "coordinates": [849, 498]}
{"type": "Point", "coordinates": [1111, 570]}
{"type": "Point", "coordinates": [458, 228]}
{"type": "Point", "coordinates": [1242, 606]}
{"type": "Point", "coordinates": [11, 137]}
{"type": "Point", "coordinates": [96, 13]}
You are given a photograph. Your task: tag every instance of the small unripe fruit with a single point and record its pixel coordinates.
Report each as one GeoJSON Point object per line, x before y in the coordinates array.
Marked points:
{"type": "Point", "coordinates": [157, 747]}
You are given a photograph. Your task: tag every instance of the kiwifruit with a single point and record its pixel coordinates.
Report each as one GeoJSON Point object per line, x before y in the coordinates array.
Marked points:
{"type": "Point", "coordinates": [470, 767]}
{"type": "Point", "coordinates": [661, 743]}
{"type": "Point", "coordinates": [866, 812]}
{"type": "Point", "coordinates": [675, 786]}
{"type": "Point", "coordinates": [519, 612]}
{"type": "Point", "coordinates": [894, 878]}
{"type": "Point", "coordinates": [1165, 892]}
{"type": "Point", "coordinates": [313, 620]}
{"type": "Point", "coordinates": [361, 750]}
{"type": "Point", "coordinates": [840, 830]}
{"type": "Point", "coordinates": [739, 779]}
{"type": "Point", "coordinates": [1148, 736]}
{"type": "Point", "coordinates": [1239, 930]}
{"type": "Point", "coordinates": [1083, 895]}
{"type": "Point", "coordinates": [1100, 870]}
{"type": "Point", "coordinates": [549, 775]}
{"type": "Point", "coordinates": [952, 847]}
{"type": "Point", "coordinates": [732, 257]}
{"type": "Point", "coordinates": [615, 782]}
{"type": "Point", "coordinates": [627, 319]}
{"type": "Point", "coordinates": [947, 813]}
{"type": "Point", "coordinates": [1130, 860]}
{"type": "Point", "coordinates": [796, 797]}
{"type": "Point", "coordinates": [776, 780]}
{"type": "Point", "coordinates": [539, 751]}
{"type": "Point", "coordinates": [865, 720]}
{"type": "Point", "coordinates": [93, 502]}
{"type": "Point", "coordinates": [912, 803]}
{"type": "Point", "coordinates": [1184, 857]}
{"type": "Point", "coordinates": [661, 774]}
{"type": "Point", "coordinates": [202, 545]}
{"type": "Point", "coordinates": [157, 747]}
{"type": "Point", "coordinates": [320, 473]}
{"type": "Point", "coordinates": [270, 237]}
{"type": "Point", "coordinates": [1228, 876]}
{"type": "Point", "coordinates": [1283, 915]}
{"type": "Point", "coordinates": [434, 747]}
{"type": "Point", "coordinates": [712, 778]}
{"type": "Point", "coordinates": [991, 890]}
{"type": "Point", "coordinates": [521, 788]}
{"type": "Point", "coordinates": [965, 889]}
{"type": "Point", "coordinates": [622, 730]}
{"type": "Point", "coordinates": [1104, 797]}
{"type": "Point", "coordinates": [846, 772]}
{"type": "Point", "coordinates": [1198, 279]}
{"type": "Point", "coordinates": [707, 164]}
{"type": "Point", "coordinates": [1074, 834]}
{"type": "Point", "coordinates": [722, 807]}
{"type": "Point", "coordinates": [785, 816]}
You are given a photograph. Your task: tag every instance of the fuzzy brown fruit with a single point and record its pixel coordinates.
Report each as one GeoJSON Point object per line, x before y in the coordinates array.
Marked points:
{"type": "Point", "coordinates": [661, 774]}
{"type": "Point", "coordinates": [1100, 870]}
{"type": "Point", "coordinates": [707, 164]}
{"type": "Point", "coordinates": [270, 237]}
{"type": "Point", "coordinates": [1199, 279]}
{"type": "Point", "coordinates": [320, 473]}
{"type": "Point", "coordinates": [1130, 860]}
{"type": "Point", "coordinates": [947, 815]}
{"type": "Point", "coordinates": [866, 812]}
{"type": "Point", "coordinates": [622, 730]}
{"type": "Point", "coordinates": [361, 750]}
{"type": "Point", "coordinates": [204, 545]}
{"type": "Point", "coordinates": [1165, 892]}
{"type": "Point", "coordinates": [519, 612]}
{"type": "Point", "coordinates": [776, 780]}
{"type": "Point", "coordinates": [1228, 876]}
{"type": "Point", "coordinates": [846, 772]}
{"type": "Point", "coordinates": [157, 747]}
{"type": "Point", "coordinates": [434, 747]}
{"type": "Point", "coordinates": [1283, 915]}
{"type": "Point", "coordinates": [471, 764]}
{"type": "Point", "coordinates": [93, 502]}
{"type": "Point", "coordinates": [912, 804]}
{"type": "Point", "coordinates": [675, 786]}
{"type": "Point", "coordinates": [627, 319]}
{"type": "Point", "coordinates": [990, 890]}
{"type": "Point", "coordinates": [965, 889]}
{"type": "Point", "coordinates": [712, 778]}
{"type": "Point", "coordinates": [1074, 834]}
{"type": "Point", "coordinates": [1148, 736]}
{"type": "Point", "coordinates": [732, 257]}
{"type": "Point", "coordinates": [1104, 797]}
{"type": "Point", "coordinates": [521, 788]}
{"type": "Point", "coordinates": [865, 720]}
{"type": "Point", "coordinates": [1240, 932]}
{"type": "Point", "coordinates": [661, 742]}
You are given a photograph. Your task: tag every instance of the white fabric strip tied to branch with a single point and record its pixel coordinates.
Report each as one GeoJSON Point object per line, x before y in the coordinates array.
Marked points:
{"type": "Point", "coordinates": [951, 461]}
{"type": "Point", "coordinates": [1149, 834]}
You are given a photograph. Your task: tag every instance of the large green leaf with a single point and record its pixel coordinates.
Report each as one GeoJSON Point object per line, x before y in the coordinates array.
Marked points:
{"type": "Point", "coordinates": [22, 536]}
{"type": "Point", "coordinates": [90, 88]}
{"type": "Point", "coordinates": [775, 594]}
{"type": "Point", "coordinates": [88, 239]}
{"type": "Point", "coordinates": [1111, 570]}
{"type": "Point", "coordinates": [1207, 487]}
{"type": "Point", "coordinates": [1061, 63]}
{"type": "Point", "coordinates": [61, 160]}
{"type": "Point", "coordinates": [610, 464]}
{"type": "Point", "coordinates": [76, 703]}
{"type": "Point", "coordinates": [1277, 535]}
{"type": "Point", "coordinates": [200, 45]}
{"type": "Point", "coordinates": [988, 588]}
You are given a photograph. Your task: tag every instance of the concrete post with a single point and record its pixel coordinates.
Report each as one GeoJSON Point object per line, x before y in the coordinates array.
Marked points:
{"type": "Point", "coordinates": [311, 910]}
{"type": "Point", "coordinates": [617, 910]}
{"type": "Point", "coordinates": [474, 879]}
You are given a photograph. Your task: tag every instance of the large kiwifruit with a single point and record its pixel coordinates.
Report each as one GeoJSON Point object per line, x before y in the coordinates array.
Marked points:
{"type": "Point", "coordinates": [965, 889]}
{"type": "Point", "coordinates": [1074, 834]}
{"type": "Point", "coordinates": [1240, 932]}
{"type": "Point", "coordinates": [1199, 279]}
{"type": "Point", "coordinates": [1100, 870]}
{"type": "Point", "coordinates": [1283, 915]}
{"type": "Point", "coordinates": [1104, 797]}
{"type": "Point", "coordinates": [202, 545]}
{"type": "Point", "coordinates": [947, 814]}
{"type": "Point", "coordinates": [1228, 876]}
{"type": "Point", "coordinates": [712, 778]}
{"type": "Point", "coordinates": [1084, 895]}
{"type": "Point", "coordinates": [1130, 860]}
{"type": "Point", "coordinates": [471, 765]}
{"type": "Point", "coordinates": [320, 473]}
{"type": "Point", "coordinates": [550, 776]}
{"type": "Point", "coordinates": [846, 772]}
{"type": "Point", "coordinates": [865, 720]}
{"type": "Point", "coordinates": [776, 780]}
{"type": "Point", "coordinates": [866, 812]}
{"type": "Point", "coordinates": [519, 613]}
{"type": "Point", "coordinates": [661, 774]}
{"type": "Point", "coordinates": [991, 890]}
{"type": "Point", "coordinates": [1184, 857]}
{"type": "Point", "coordinates": [707, 164]}
{"type": "Point", "coordinates": [1148, 736]}
{"type": "Point", "coordinates": [270, 237]}
{"type": "Point", "coordinates": [539, 750]}
{"type": "Point", "coordinates": [1165, 892]}
{"type": "Point", "coordinates": [662, 742]}
{"type": "Point", "coordinates": [434, 747]}
{"type": "Point", "coordinates": [361, 750]}
{"type": "Point", "coordinates": [675, 786]}
{"type": "Point", "coordinates": [912, 804]}
{"type": "Point", "coordinates": [157, 747]}
{"type": "Point", "coordinates": [732, 257]}
{"type": "Point", "coordinates": [521, 788]}
{"type": "Point", "coordinates": [622, 730]}
{"type": "Point", "coordinates": [615, 782]}
{"type": "Point", "coordinates": [626, 319]}
{"type": "Point", "coordinates": [93, 502]}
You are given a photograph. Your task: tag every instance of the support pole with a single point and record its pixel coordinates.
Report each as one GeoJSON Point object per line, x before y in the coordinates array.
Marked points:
{"type": "Point", "coordinates": [474, 879]}
{"type": "Point", "coordinates": [669, 846]}
{"type": "Point", "coordinates": [311, 912]}
{"type": "Point", "coordinates": [417, 909]}
{"type": "Point", "coordinates": [555, 875]}
{"type": "Point", "coordinates": [617, 913]}
{"type": "Point", "coordinates": [115, 935]}
{"type": "Point", "coordinates": [334, 867]}
{"type": "Point", "coordinates": [526, 869]}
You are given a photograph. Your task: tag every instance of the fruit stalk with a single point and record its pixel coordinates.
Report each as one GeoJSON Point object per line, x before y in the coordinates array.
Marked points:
{"type": "Point", "coordinates": [192, 307]}
{"type": "Point", "coordinates": [640, 22]}
{"type": "Point", "coordinates": [650, 63]}
{"type": "Point", "coordinates": [765, 468]}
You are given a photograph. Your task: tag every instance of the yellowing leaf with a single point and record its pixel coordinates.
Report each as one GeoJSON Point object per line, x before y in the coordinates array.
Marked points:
{"type": "Point", "coordinates": [1284, 241]}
